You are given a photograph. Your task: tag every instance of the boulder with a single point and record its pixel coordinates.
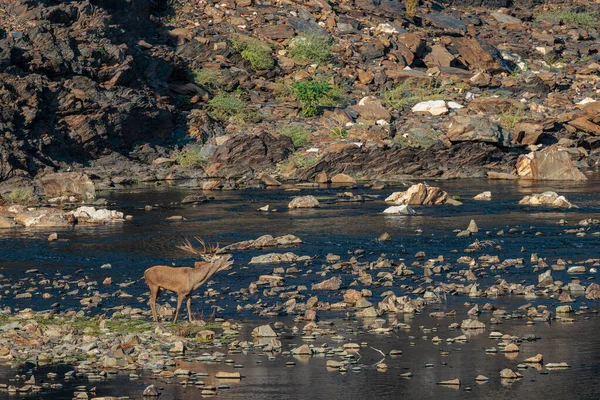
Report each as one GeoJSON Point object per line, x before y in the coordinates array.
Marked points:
{"type": "Point", "coordinates": [42, 218]}
{"type": "Point", "coordinates": [439, 57]}
{"type": "Point", "coordinates": [7, 223]}
{"type": "Point", "coordinates": [420, 194]}
{"type": "Point", "coordinates": [333, 283]}
{"type": "Point", "coordinates": [472, 324]}
{"type": "Point", "coordinates": [92, 215]}
{"type": "Point", "coordinates": [342, 178]}
{"type": "Point", "coordinates": [264, 331]}
{"type": "Point", "coordinates": [67, 184]}
{"type": "Point", "coordinates": [150, 391]}
{"type": "Point", "coordinates": [433, 107]}
{"type": "Point", "coordinates": [304, 202]}
{"type": "Point", "coordinates": [553, 163]}
{"type": "Point", "coordinates": [486, 196]}
{"type": "Point", "coordinates": [551, 199]}
{"type": "Point", "coordinates": [477, 128]}
{"type": "Point", "coordinates": [370, 109]}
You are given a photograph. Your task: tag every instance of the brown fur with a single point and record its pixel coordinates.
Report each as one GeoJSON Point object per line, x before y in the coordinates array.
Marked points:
{"type": "Point", "coordinates": [182, 280]}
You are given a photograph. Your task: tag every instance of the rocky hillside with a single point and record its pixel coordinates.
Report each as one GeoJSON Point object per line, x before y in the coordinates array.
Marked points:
{"type": "Point", "coordinates": [145, 90]}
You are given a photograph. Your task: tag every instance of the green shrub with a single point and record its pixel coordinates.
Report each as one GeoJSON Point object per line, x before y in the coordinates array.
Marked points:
{"type": "Point", "coordinates": [207, 77]}
{"type": "Point", "coordinates": [313, 94]}
{"type": "Point", "coordinates": [258, 53]}
{"type": "Point", "coordinates": [21, 195]}
{"type": "Point", "coordinates": [298, 134]}
{"type": "Point", "coordinates": [512, 116]}
{"type": "Point", "coordinates": [303, 159]}
{"type": "Point", "coordinates": [190, 156]}
{"type": "Point", "coordinates": [227, 105]}
{"type": "Point", "coordinates": [311, 48]}
{"type": "Point", "coordinates": [411, 92]}
{"type": "Point", "coordinates": [339, 132]}
{"type": "Point", "coordinates": [411, 7]}
{"type": "Point", "coordinates": [575, 19]}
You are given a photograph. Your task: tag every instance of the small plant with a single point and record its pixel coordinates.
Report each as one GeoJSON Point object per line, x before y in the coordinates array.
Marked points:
{"type": "Point", "coordinates": [456, 197]}
{"type": "Point", "coordinates": [410, 93]}
{"type": "Point", "coordinates": [227, 105]}
{"type": "Point", "coordinates": [102, 51]}
{"type": "Point", "coordinates": [574, 19]}
{"type": "Point", "coordinates": [21, 196]}
{"type": "Point", "coordinates": [411, 7]}
{"type": "Point", "coordinates": [339, 132]}
{"type": "Point", "coordinates": [310, 94]}
{"type": "Point", "coordinates": [258, 53]}
{"type": "Point", "coordinates": [207, 77]}
{"type": "Point", "coordinates": [313, 48]}
{"type": "Point", "coordinates": [298, 134]}
{"type": "Point", "coordinates": [190, 156]}
{"type": "Point", "coordinates": [303, 159]}
{"type": "Point", "coordinates": [512, 116]}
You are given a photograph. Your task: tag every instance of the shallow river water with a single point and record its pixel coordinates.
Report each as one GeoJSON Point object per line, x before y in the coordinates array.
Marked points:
{"type": "Point", "coordinates": [339, 228]}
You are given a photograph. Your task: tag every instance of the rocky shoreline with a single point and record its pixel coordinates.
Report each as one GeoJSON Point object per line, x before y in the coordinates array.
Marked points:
{"type": "Point", "coordinates": [136, 92]}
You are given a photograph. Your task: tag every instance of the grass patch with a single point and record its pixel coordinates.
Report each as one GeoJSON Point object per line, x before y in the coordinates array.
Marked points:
{"type": "Point", "coordinates": [227, 105]}
{"type": "Point", "coordinates": [298, 134]}
{"type": "Point", "coordinates": [190, 156]}
{"type": "Point", "coordinates": [302, 159]}
{"type": "Point", "coordinates": [314, 94]}
{"type": "Point", "coordinates": [419, 139]}
{"type": "Point", "coordinates": [257, 52]}
{"type": "Point", "coordinates": [207, 77]}
{"type": "Point", "coordinates": [411, 92]}
{"type": "Point", "coordinates": [575, 19]}
{"type": "Point", "coordinates": [411, 7]}
{"type": "Point", "coordinates": [312, 48]}
{"type": "Point", "coordinates": [339, 132]}
{"type": "Point", "coordinates": [21, 196]}
{"type": "Point", "coordinates": [512, 116]}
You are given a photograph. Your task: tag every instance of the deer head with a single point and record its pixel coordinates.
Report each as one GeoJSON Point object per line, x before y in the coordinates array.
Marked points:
{"type": "Point", "coordinates": [212, 259]}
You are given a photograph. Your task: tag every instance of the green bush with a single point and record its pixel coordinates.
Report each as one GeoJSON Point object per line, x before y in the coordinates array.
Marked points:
{"type": "Point", "coordinates": [411, 92]}
{"type": "Point", "coordinates": [209, 78]}
{"type": "Point", "coordinates": [339, 133]}
{"type": "Point", "coordinates": [21, 195]}
{"type": "Point", "coordinates": [227, 105]}
{"type": "Point", "coordinates": [575, 19]}
{"type": "Point", "coordinates": [311, 48]}
{"type": "Point", "coordinates": [303, 159]}
{"type": "Point", "coordinates": [298, 134]}
{"type": "Point", "coordinates": [190, 156]}
{"type": "Point", "coordinates": [411, 7]}
{"type": "Point", "coordinates": [512, 116]}
{"type": "Point", "coordinates": [258, 53]}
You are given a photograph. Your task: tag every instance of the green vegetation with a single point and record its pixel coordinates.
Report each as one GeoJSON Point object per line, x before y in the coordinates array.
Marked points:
{"type": "Point", "coordinates": [411, 7]}
{"type": "Point", "coordinates": [313, 94]}
{"type": "Point", "coordinates": [339, 132]}
{"type": "Point", "coordinates": [418, 139]}
{"type": "Point", "coordinates": [512, 116]}
{"type": "Point", "coordinates": [227, 105]}
{"type": "Point", "coordinates": [411, 92]}
{"type": "Point", "coordinates": [297, 133]}
{"type": "Point", "coordinates": [191, 156]}
{"type": "Point", "coordinates": [207, 77]}
{"type": "Point", "coordinates": [313, 48]}
{"type": "Point", "coordinates": [302, 159]}
{"type": "Point", "coordinates": [575, 19]}
{"type": "Point", "coordinates": [257, 52]}
{"type": "Point", "coordinates": [21, 195]}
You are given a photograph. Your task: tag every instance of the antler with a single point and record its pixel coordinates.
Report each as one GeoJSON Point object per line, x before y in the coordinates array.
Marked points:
{"type": "Point", "coordinates": [204, 253]}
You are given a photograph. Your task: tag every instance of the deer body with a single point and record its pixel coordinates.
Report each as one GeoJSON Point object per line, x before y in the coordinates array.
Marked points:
{"type": "Point", "coordinates": [182, 280]}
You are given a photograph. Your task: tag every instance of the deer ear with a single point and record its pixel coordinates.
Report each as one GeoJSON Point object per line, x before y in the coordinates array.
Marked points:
{"type": "Point", "coordinates": [200, 264]}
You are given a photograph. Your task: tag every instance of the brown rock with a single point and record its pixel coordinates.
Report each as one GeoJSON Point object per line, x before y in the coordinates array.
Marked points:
{"type": "Point", "coordinates": [276, 32]}
{"type": "Point", "coordinates": [438, 57]}
{"type": "Point", "coordinates": [419, 194]}
{"type": "Point", "coordinates": [268, 179]}
{"type": "Point", "coordinates": [370, 109]}
{"type": "Point", "coordinates": [552, 163]}
{"type": "Point", "coordinates": [333, 283]}
{"type": "Point", "coordinates": [67, 184]}
{"type": "Point", "coordinates": [477, 54]}
{"type": "Point", "coordinates": [42, 217]}
{"type": "Point", "coordinates": [7, 223]}
{"type": "Point", "coordinates": [304, 202]}
{"type": "Point", "coordinates": [526, 133]}
{"type": "Point", "coordinates": [342, 178]}
{"type": "Point", "coordinates": [468, 128]}
{"type": "Point", "coordinates": [321, 177]}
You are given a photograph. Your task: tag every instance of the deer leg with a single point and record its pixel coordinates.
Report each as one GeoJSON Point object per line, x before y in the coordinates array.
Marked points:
{"type": "Point", "coordinates": [153, 295]}
{"type": "Point", "coordinates": [179, 301]}
{"type": "Point", "coordinates": [189, 307]}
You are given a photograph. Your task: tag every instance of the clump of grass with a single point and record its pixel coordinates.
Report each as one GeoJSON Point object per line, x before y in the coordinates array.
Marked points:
{"type": "Point", "coordinates": [207, 77]}
{"type": "Point", "coordinates": [302, 159]}
{"type": "Point", "coordinates": [512, 116]}
{"type": "Point", "coordinates": [313, 48]}
{"type": "Point", "coordinates": [314, 94]}
{"type": "Point", "coordinates": [575, 19]}
{"type": "Point", "coordinates": [419, 139]}
{"type": "Point", "coordinates": [298, 134]}
{"type": "Point", "coordinates": [411, 7]}
{"type": "Point", "coordinates": [411, 92]}
{"type": "Point", "coordinates": [339, 132]}
{"type": "Point", "coordinates": [227, 105]}
{"type": "Point", "coordinates": [22, 195]}
{"type": "Point", "coordinates": [258, 53]}
{"type": "Point", "coordinates": [191, 156]}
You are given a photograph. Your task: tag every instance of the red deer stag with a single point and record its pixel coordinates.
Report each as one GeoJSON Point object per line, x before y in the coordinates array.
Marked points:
{"type": "Point", "coordinates": [185, 280]}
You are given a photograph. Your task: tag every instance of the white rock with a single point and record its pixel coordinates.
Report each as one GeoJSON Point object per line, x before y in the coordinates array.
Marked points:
{"type": "Point", "coordinates": [403, 209]}
{"type": "Point", "coordinates": [433, 107]}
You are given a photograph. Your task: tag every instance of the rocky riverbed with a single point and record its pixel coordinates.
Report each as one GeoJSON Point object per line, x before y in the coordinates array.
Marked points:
{"type": "Point", "coordinates": [337, 308]}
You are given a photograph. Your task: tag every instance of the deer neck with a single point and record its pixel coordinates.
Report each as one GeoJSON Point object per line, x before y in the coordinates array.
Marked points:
{"type": "Point", "coordinates": [202, 274]}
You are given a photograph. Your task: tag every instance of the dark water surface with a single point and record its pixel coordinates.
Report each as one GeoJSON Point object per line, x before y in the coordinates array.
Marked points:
{"type": "Point", "coordinates": [132, 247]}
